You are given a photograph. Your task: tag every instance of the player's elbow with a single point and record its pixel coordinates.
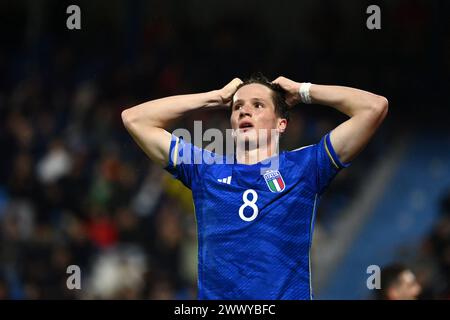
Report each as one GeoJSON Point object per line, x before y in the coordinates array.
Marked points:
{"type": "Point", "coordinates": [134, 119]}
{"type": "Point", "coordinates": [379, 107]}
{"type": "Point", "coordinates": [382, 104]}
{"type": "Point", "coordinates": [127, 118]}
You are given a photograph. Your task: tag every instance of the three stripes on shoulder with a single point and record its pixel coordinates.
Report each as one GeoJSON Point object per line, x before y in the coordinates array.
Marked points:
{"type": "Point", "coordinates": [226, 180]}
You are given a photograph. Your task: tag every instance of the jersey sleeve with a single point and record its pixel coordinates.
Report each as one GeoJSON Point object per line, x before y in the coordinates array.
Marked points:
{"type": "Point", "coordinates": [327, 163]}
{"type": "Point", "coordinates": [184, 161]}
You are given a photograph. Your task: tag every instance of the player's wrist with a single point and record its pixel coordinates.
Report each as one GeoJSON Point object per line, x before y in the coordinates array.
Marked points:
{"type": "Point", "coordinates": [305, 93]}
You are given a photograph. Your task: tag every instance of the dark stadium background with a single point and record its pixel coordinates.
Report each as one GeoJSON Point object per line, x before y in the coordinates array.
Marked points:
{"type": "Point", "coordinates": [75, 189]}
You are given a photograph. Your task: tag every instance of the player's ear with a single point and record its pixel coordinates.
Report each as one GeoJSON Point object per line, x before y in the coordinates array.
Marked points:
{"type": "Point", "coordinates": [282, 125]}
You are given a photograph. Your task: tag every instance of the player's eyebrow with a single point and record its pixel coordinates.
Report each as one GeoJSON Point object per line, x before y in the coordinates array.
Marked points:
{"type": "Point", "coordinates": [252, 100]}
{"type": "Point", "coordinates": [258, 100]}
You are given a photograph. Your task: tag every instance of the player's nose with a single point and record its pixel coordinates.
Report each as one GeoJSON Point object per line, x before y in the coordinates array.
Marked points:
{"type": "Point", "coordinates": [245, 111]}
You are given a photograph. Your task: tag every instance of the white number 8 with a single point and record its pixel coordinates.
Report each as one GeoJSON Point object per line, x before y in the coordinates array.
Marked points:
{"type": "Point", "coordinates": [248, 203]}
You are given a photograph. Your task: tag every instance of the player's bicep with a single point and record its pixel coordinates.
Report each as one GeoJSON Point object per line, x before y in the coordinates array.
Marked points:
{"type": "Point", "coordinates": [351, 137]}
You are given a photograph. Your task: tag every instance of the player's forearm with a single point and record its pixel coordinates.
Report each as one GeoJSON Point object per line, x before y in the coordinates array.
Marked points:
{"type": "Point", "coordinates": [159, 113]}
{"type": "Point", "coordinates": [366, 111]}
{"type": "Point", "coordinates": [349, 101]}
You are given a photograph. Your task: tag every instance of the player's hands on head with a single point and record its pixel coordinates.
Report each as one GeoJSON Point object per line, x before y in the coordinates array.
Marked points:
{"type": "Point", "coordinates": [291, 88]}
{"type": "Point", "coordinates": [227, 92]}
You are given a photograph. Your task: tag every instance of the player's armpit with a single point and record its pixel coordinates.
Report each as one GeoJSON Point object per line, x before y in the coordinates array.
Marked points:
{"type": "Point", "coordinates": [154, 141]}
{"type": "Point", "coordinates": [352, 136]}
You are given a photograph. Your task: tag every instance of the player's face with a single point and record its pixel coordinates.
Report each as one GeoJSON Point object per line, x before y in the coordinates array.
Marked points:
{"type": "Point", "coordinates": [253, 112]}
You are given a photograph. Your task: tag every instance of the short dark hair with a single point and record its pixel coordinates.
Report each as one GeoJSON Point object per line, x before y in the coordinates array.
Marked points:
{"type": "Point", "coordinates": [278, 93]}
{"type": "Point", "coordinates": [390, 275]}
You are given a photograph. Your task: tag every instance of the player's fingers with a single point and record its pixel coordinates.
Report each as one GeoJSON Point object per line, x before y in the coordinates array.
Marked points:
{"type": "Point", "coordinates": [231, 87]}
{"type": "Point", "coordinates": [235, 82]}
{"type": "Point", "coordinates": [278, 80]}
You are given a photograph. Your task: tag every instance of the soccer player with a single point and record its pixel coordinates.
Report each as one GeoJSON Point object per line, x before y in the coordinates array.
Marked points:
{"type": "Point", "coordinates": [255, 227]}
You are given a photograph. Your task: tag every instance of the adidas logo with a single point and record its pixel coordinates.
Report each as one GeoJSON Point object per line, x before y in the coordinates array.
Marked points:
{"type": "Point", "coordinates": [226, 180]}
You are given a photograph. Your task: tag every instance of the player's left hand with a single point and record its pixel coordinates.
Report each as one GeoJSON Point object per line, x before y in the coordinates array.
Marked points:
{"type": "Point", "coordinates": [291, 88]}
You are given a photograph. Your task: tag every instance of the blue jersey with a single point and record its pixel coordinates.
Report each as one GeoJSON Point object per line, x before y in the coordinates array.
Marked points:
{"type": "Point", "coordinates": [255, 227]}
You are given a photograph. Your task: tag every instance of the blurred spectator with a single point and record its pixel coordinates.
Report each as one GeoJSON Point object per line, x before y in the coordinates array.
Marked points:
{"type": "Point", "coordinates": [118, 274]}
{"type": "Point", "coordinates": [398, 283]}
{"type": "Point", "coordinates": [55, 164]}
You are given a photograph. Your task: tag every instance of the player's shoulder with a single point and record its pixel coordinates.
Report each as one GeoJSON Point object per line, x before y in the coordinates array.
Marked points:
{"type": "Point", "coordinates": [305, 148]}
{"type": "Point", "coordinates": [301, 151]}
{"type": "Point", "coordinates": [302, 155]}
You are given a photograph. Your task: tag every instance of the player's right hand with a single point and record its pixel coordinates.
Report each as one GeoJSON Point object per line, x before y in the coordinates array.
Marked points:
{"type": "Point", "coordinates": [227, 92]}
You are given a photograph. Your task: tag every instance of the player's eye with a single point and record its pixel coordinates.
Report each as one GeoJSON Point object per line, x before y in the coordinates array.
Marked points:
{"type": "Point", "coordinates": [259, 105]}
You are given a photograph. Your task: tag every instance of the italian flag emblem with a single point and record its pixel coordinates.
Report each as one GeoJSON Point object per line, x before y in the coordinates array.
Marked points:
{"type": "Point", "coordinates": [274, 181]}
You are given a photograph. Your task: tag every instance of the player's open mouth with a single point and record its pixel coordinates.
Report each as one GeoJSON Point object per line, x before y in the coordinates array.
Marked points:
{"type": "Point", "coordinates": [245, 126]}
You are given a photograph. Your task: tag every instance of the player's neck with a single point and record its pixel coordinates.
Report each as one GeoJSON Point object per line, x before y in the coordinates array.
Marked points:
{"type": "Point", "coordinates": [252, 156]}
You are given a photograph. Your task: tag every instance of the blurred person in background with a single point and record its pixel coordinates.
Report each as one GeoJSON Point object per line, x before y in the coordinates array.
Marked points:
{"type": "Point", "coordinates": [398, 282]}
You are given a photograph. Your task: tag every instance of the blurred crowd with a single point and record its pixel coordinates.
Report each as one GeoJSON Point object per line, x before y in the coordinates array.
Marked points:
{"type": "Point", "coordinates": [432, 264]}
{"type": "Point", "coordinates": [76, 190]}
{"type": "Point", "coordinates": [425, 275]}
